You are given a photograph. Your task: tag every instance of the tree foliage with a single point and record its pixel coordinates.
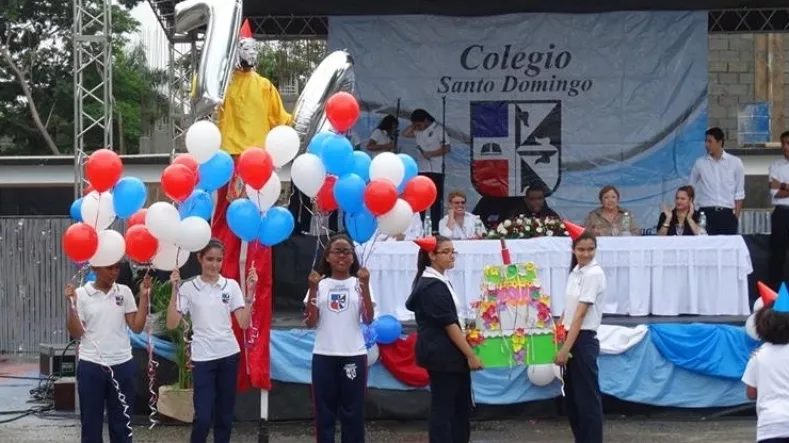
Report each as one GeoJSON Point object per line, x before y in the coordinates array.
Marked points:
{"type": "Point", "coordinates": [289, 60]}
{"type": "Point", "coordinates": [37, 39]}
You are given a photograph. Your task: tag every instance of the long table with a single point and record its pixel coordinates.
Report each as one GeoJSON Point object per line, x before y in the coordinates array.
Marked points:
{"type": "Point", "coordinates": [703, 275]}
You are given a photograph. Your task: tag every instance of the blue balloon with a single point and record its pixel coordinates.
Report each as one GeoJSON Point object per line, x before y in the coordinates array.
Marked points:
{"type": "Point", "coordinates": [128, 196]}
{"type": "Point", "coordinates": [349, 193]}
{"type": "Point", "coordinates": [216, 172]}
{"type": "Point", "coordinates": [91, 276]}
{"type": "Point", "coordinates": [316, 144]}
{"type": "Point", "coordinates": [76, 210]}
{"type": "Point", "coordinates": [361, 165]}
{"type": "Point", "coordinates": [361, 226]}
{"type": "Point", "coordinates": [199, 204]}
{"type": "Point", "coordinates": [411, 171]}
{"type": "Point", "coordinates": [337, 155]}
{"type": "Point", "coordinates": [243, 218]}
{"type": "Point", "coordinates": [276, 225]}
{"type": "Point", "coordinates": [388, 329]}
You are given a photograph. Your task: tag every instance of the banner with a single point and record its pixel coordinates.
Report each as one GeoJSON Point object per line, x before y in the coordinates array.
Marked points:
{"type": "Point", "coordinates": [575, 101]}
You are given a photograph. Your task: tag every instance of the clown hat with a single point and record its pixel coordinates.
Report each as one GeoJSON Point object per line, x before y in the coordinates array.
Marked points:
{"type": "Point", "coordinates": [246, 30]}
{"type": "Point", "coordinates": [574, 230]}
{"type": "Point", "coordinates": [782, 302]}
{"type": "Point", "coordinates": [427, 244]}
{"type": "Point", "coordinates": [766, 293]}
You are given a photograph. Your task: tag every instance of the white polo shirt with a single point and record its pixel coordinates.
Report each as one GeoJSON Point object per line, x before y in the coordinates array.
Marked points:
{"type": "Point", "coordinates": [429, 140]}
{"type": "Point", "coordinates": [779, 170]}
{"type": "Point", "coordinates": [585, 285]}
{"type": "Point", "coordinates": [210, 305]}
{"type": "Point", "coordinates": [339, 330]}
{"type": "Point", "coordinates": [768, 372]}
{"type": "Point", "coordinates": [106, 339]}
{"type": "Point", "coordinates": [718, 183]}
{"type": "Point", "coordinates": [380, 138]}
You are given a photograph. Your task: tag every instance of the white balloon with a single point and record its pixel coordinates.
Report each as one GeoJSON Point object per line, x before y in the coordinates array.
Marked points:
{"type": "Point", "coordinates": [97, 210]}
{"type": "Point", "coordinates": [194, 234]}
{"type": "Point", "coordinates": [396, 221]}
{"type": "Point", "coordinates": [750, 327]}
{"type": "Point", "coordinates": [372, 355]}
{"type": "Point", "coordinates": [388, 166]}
{"type": "Point", "coordinates": [265, 197]}
{"type": "Point", "coordinates": [308, 174]}
{"type": "Point", "coordinates": [169, 257]}
{"type": "Point", "coordinates": [163, 221]}
{"type": "Point", "coordinates": [112, 246]}
{"type": "Point", "coordinates": [203, 139]}
{"type": "Point", "coordinates": [541, 375]}
{"type": "Point", "coordinates": [282, 144]}
{"type": "Point", "coordinates": [758, 304]}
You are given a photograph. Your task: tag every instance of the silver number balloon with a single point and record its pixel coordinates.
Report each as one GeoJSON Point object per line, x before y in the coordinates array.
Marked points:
{"type": "Point", "coordinates": [334, 74]}
{"type": "Point", "coordinates": [222, 19]}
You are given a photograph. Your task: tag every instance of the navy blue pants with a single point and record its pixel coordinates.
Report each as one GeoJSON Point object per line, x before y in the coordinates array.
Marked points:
{"type": "Point", "coordinates": [214, 398]}
{"type": "Point", "coordinates": [582, 390]}
{"type": "Point", "coordinates": [339, 385]}
{"type": "Point", "coordinates": [96, 391]}
{"type": "Point", "coordinates": [775, 440]}
{"type": "Point", "coordinates": [450, 407]}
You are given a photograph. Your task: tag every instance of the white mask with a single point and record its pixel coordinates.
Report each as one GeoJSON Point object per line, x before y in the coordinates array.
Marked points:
{"type": "Point", "coordinates": [247, 52]}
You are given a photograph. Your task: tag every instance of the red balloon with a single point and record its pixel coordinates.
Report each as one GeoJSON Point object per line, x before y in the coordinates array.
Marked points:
{"type": "Point", "coordinates": [342, 111]}
{"type": "Point", "coordinates": [380, 196]}
{"type": "Point", "coordinates": [103, 169]}
{"type": "Point", "coordinates": [325, 197]}
{"type": "Point", "coordinates": [141, 246]}
{"type": "Point", "coordinates": [178, 182]}
{"type": "Point", "coordinates": [188, 161]}
{"type": "Point", "coordinates": [80, 242]}
{"type": "Point", "coordinates": [138, 218]}
{"type": "Point", "coordinates": [420, 193]}
{"type": "Point", "coordinates": [255, 167]}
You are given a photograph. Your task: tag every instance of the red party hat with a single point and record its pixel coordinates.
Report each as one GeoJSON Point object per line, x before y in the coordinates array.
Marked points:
{"type": "Point", "coordinates": [766, 293]}
{"type": "Point", "coordinates": [427, 243]}
{"type": "Point", "coordinates": [246, 30]}
{"type": "Point", "coordinates": [574, 230]}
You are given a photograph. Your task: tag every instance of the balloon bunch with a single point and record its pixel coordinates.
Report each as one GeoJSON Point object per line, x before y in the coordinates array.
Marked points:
{"type": "Point", "coordinates": [376, 194]}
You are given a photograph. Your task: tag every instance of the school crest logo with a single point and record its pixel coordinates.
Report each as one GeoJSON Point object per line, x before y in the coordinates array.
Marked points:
{"type": "Point", "coordinates": [350, 371]}
{"type": "Point", "coordinates": [338, 300]}
{"type": "Point", "coordinates": [118, 299]}
{"type": "Point", "coordinates": [515, 144]}
{"type": "Point", "coordinates": [225, 298]}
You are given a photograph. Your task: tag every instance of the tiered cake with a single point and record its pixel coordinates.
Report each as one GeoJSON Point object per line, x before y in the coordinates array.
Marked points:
{"type": "Point", "coordinates": [514, 325]}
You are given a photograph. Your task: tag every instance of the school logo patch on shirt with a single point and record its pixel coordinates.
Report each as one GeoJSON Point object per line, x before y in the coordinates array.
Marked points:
{"type": "Point", "coordinates": [225, 298]}
{"type": "Point", "coordinates": [338, 300]}
{"type": "Point", "coordinates": [118, 299]}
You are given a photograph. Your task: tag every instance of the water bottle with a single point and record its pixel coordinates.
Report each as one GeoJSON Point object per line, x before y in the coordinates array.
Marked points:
{"type": "Point", "coordinates": [626, 225]}
{"type": "Point", "coordinates": [703, 223]}
{"type": "Point", "coordinates": [427, 226]}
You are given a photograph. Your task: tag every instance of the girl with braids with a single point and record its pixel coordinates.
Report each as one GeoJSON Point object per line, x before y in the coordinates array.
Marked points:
{"type": "Point", "coordinates": [441, 346]}
{"type": "Point", "coordinates": [767, 375]}
{"type": "Point", "coordinates": [210, 299]}
{"type": "Point", "coordinates": [339, 294]}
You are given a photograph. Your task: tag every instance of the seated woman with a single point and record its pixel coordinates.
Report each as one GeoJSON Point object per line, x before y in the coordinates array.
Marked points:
{"type": "Point", "coordinates": [382, 138]}
{"type": "Point", "coordinates": [683, 219]}
{"type": "Point", "coordinates": [458, 224]}
{"type": "Point", "coordinates": [609, 219]}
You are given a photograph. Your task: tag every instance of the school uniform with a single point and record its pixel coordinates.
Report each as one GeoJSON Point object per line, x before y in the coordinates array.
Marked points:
{"type": "Point", "coordinates": [719, 184]}
{"type": "Point", "coordinates": [430, 139]}
{"type": "Point", "coordinates": [215, 353]}
{"type": "Point", "coordinates": [104, 343]}
{"type": "Point", "coordinates": [768, 372]}
{"type": "Point", "coordinates": [339, 361]}
{"type": "Point", "coordinates": [380, 137]}
{"type": "Point", "coordinates": [435, 307]}
{"type": "Point", "coordinates": [581, 383]}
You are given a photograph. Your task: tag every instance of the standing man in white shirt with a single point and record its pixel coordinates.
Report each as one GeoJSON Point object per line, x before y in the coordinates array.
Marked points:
{"type": "Point", "coordinates": [719, 179]}
{"type": "Point", "coordinates": [432, 149]}
{"type": "Point", "coordinates": [779, 232]}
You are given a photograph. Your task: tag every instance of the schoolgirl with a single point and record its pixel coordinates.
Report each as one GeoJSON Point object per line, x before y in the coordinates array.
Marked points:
{"type": "Point", "coordinates": [99, 315]}
{"type": "Point", "coordinates": [338, 300]}
{"type": "Point", "coordinates": [209, 299]}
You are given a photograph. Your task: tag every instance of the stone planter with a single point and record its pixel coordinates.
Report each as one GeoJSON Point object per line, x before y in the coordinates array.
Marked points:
{"type": "Point", "coordinates": [176, 403]}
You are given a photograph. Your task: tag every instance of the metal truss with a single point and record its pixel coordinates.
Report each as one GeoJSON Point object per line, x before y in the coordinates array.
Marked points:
{"type": "Point", "coordinates": [749, 21]}
{"type": "Point", "coordinates": [273, 27]}
{"type": "Point", "coordinates": [92, 48]}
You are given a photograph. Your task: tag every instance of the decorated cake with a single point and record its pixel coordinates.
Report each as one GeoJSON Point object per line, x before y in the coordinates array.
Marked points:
{"type": "Point", "coordinates": [514, 324]}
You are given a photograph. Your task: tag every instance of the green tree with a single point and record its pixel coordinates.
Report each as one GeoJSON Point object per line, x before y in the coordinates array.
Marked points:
{"type": "Point", "coordinates": [36, 81]}
{"type": "Point", "coordinates": [286, 60]}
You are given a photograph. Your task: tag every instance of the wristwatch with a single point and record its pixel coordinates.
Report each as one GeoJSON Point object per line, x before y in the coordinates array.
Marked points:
{"type": "Point", "coordinates": [665, 225]}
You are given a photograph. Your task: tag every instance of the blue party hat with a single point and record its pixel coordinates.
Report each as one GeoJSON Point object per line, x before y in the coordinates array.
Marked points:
{"type": "Point", "coordinates": [782, 302]}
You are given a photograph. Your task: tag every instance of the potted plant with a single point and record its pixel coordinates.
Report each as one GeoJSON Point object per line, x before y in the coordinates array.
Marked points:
{"type": "Point", "coordinates": [175, 400]}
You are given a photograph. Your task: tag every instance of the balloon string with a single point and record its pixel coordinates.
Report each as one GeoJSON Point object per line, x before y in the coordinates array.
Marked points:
{"type": "Point", "coordinates": [185, 333]}
{"type": "Point", "coordinates": [252, 332]}
{"type": "Point", "coordinates": [152, 365]}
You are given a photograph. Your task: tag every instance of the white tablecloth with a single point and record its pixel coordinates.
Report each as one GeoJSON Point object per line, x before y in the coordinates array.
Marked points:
{"type": "Point", "coordinates": [703, 275]}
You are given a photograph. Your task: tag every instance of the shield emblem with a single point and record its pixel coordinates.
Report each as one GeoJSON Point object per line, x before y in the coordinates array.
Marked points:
{"type": "Point", "coordinates": [515, 144]}
{"type": "Point", "coordinates": [338, 301]}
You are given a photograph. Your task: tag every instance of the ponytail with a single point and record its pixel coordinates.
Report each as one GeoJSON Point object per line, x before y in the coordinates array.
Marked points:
{"type": "Point", "coordinates": [573, 262]}
{"type": "Point", "coordinates": [422, 262]}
